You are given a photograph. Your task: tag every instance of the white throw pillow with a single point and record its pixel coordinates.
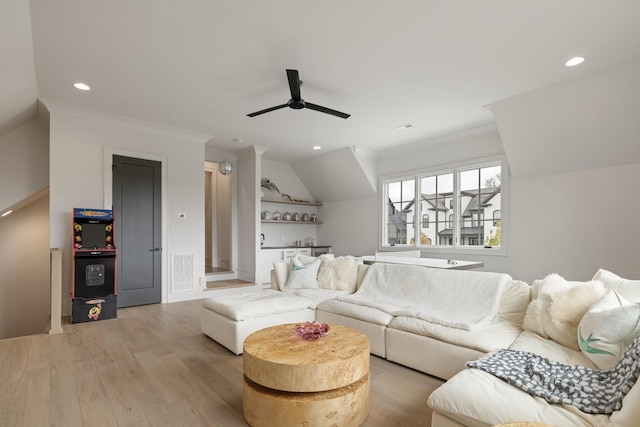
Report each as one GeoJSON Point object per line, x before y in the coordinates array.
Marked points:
{"type": "Point", "coordinates": [302, 276]}
{"type": "Point", "coordinates": [307, 259]}
{"type": "Point", "coordinates": [629, 289]}
{"type": "Point", "coordinates": [607, 329]}
{"type": "Point", "coordinates": [559, 307]}
{"type": "Point", "coordinates": [340, 273]}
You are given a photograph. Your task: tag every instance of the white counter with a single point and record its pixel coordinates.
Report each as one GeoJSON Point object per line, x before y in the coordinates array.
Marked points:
{"type": "Point", "coordinates": [425, 262]}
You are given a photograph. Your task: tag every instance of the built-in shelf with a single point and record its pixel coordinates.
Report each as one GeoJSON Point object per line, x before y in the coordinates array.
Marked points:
{"type": "Point", "coordinates": [287, 202]}
{"type": "Point", "coordinates": [272, 221]}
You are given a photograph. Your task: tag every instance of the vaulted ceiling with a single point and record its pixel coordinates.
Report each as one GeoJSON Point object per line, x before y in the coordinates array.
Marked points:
{"type": "Point", "coordinates": [203, 65]}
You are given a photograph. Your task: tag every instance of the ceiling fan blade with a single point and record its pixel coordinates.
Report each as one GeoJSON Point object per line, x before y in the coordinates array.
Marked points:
{"type": "Point", "coordinates": [327, 110]}
{"type": "Point", "coordinates": [277, 107]}
{"type": "Point", "coordinates": [294, 84]}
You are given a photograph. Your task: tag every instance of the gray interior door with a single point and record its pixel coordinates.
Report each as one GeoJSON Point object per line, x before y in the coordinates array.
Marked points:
{"type": "Point", "coordinates": [137, 230]}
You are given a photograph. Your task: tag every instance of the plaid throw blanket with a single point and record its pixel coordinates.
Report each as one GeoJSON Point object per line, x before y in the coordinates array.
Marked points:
{"type": "Point", "coordinates": [589, 390]}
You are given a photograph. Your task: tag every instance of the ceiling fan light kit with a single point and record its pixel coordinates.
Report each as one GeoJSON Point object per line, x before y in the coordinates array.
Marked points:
{"type": "Point", "coordinates": [296, 102]}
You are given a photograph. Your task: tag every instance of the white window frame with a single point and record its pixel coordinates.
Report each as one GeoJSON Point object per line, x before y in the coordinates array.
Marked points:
{"type": "Point", "coordinates": [454, 168]}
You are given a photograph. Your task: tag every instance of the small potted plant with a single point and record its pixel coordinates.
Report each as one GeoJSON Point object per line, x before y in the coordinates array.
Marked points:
{"type": "Point", "coordinates": [268, 185]}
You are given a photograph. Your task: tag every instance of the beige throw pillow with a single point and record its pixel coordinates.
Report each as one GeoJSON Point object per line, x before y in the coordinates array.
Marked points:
{"type": "Point", "coordinates": [559, 307]}
{"type": "Point", "coordinates": [340, 273]}
{"type": "Point", "coordinates": [629, 289]}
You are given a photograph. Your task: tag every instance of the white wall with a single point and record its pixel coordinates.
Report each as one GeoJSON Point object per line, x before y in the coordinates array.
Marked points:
{"type": "Point", "coordinates": [350, 226]}
{"type": "Point", "coordinates": [80, 176]}
{"type": "Point", "coordinates": [24, 270]}
{"type": "Point", "coordinates": [24, 162]}
{"type": "Point", "coordinates": [574, 223]}
{"type": "Point", "coordinates": [288, 182]}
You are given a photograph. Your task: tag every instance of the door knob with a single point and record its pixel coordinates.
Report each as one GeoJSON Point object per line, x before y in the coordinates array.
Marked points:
{"type": "Point", "coordinates": [155, 250]}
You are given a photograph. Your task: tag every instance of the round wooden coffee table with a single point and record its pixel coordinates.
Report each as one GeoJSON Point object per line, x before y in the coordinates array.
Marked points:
{"type": "Point", "coordinates": [290, 381]}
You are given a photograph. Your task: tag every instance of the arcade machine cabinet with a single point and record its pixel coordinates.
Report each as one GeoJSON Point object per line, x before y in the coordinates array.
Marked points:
{"type": "Point", "coordinates": [93, 290]}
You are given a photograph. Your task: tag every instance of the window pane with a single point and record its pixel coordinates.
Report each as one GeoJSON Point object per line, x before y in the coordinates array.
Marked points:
{"type": "Point", "coordinates": [479, 198]}
{"type": "Point", "coordinates": [394, 191]}
{"type": "Point", "coordinates": [399, 212]}
{"type": "Point", "coordinates": [436, 193]}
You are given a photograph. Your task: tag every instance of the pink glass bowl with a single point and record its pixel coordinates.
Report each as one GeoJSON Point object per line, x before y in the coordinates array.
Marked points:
{"type": "Point", "coordinates": [311, 330]}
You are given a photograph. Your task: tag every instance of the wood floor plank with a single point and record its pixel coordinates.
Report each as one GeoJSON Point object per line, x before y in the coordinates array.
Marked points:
{"type": "Point", "coordinates": [98, 413]}
{"type": "Point", "coordinates": [33, 409]}
{"type": "Point", "coordinates": [125, 404]}
{"type": "Point", "coordinates": [65, 404]}
{"type": "Point", "coordinates": [152, 366]}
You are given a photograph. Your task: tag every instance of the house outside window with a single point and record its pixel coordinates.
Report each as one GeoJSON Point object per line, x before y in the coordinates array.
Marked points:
{"type": "Point", "coordinates": [456, 209]}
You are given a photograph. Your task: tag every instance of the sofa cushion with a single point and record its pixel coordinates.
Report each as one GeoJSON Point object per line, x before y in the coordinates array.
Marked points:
{"type": "Point", "coordinates": [302, 276]}
{"type": "Point", "coordinates": [316, 295]}
{"type": "Point", "coordinates": [476, 398]}
{"type": "Point", "coordinates": [367, 314]}
{"type": "Point", "coordinates": [500, 334]}
{"type": "Point", "coordinates": [530, 341]}
{"type": "Point", "coordinates": [608, 328]}
{"type": "Point", "coordinates": [559, 307]}
{"type": "Point", "coordinates": [629, 289]}
{"type": "Point", "coordinates": [255, 304]}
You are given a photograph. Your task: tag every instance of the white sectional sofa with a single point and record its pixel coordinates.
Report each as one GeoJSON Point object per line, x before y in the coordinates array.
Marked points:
{"type": "Point", "coordinates": [425, 319]}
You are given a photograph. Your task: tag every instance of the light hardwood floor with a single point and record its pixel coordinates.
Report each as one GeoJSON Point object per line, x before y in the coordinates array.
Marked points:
{"type": "Point", "coordinates": [153, 367]}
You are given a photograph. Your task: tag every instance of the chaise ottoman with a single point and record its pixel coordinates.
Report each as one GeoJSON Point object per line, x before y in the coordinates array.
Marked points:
{"type": "Point", "coordinates": [229, 319]}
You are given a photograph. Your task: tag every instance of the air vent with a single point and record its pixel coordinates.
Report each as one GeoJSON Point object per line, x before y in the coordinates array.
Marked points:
{"type": "Point", "coordinates": [182, 277]}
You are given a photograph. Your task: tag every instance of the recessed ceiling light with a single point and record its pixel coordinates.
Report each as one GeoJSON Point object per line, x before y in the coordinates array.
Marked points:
{"type": "Point", "coordinates": [576, 60]}
{"type": "Point", "coordinates": [6, 213]}
{"type": "Point", "coordinates": [403, 127]}
{"type": "Point", "coordinates": [81, 86]}
{"type": "Point", "coordinates": [238, 140]}
{"type": "Point", "coordinates": [317, 147]}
